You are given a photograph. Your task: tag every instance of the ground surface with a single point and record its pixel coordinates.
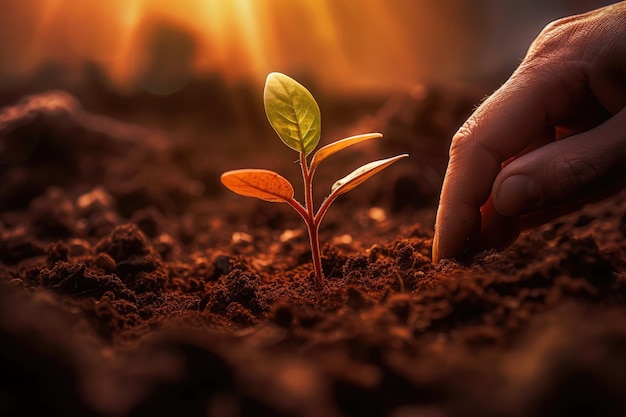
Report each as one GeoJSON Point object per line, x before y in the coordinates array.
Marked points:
{"type": "Point", "coordinates": [133, 284]}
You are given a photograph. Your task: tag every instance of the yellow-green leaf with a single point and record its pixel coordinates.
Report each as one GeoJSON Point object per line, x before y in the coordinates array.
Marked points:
{"type": "Point", "coordinates": [293, 112]}
{"type": "Point", "coordinates": [361, 174]}
{"type": "Point", "coordinates": [335, 147]}
{"type": "Point", "coordinates": [259, 183]}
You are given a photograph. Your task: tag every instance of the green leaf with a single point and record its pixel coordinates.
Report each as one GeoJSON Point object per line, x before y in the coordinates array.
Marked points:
{"type": "Point", "coordinates": [359, 175]}
{"type": "Point", "coordinates": [293, 112]}
{"type": "Point", "coordinates": [259, 183]}
{"type": "Point", "coordinates": [335, 147]}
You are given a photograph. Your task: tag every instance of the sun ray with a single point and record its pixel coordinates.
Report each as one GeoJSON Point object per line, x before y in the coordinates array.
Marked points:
{"type": "Point", "coordinates": [47, 13]}
{"type": "Point", "coordinates": [250, 22]}
{"type": "Point", "coordinates": [120, 68]}
{"type": "Point", "coordinates": [343, 44]}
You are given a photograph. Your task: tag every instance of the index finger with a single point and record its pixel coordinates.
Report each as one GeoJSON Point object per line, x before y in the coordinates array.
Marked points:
{"type": "Point", "coordinates": [534, 96]}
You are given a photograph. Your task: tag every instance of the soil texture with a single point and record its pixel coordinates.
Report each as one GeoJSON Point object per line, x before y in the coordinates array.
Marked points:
{"type": "Point", "coordinates": [133, 284]}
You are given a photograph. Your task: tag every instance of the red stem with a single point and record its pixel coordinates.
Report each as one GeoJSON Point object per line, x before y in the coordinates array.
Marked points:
{"type": "Point", "coordinates": [310, 219]}
{"type": "Point", "coordinates": [324, 208]}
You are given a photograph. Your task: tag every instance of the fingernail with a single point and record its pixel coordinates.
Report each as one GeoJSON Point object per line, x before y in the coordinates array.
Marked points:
{"type": "Point", "coordinates": [516, 194]}
{"type": "Point", "coordinates": [435, 248]}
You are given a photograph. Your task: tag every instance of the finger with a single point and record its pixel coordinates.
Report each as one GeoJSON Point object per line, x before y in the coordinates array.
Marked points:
{"type": "Point", "coordinates": [565, 171]}
{"type": "Point", "coordinates": [561, 68]}
{"type": "Point", "coordinates": [540, 217]}
{"type": "Point", "coordinates": [501, 127]}
{"type": "Point", "coordinates": [499, 231]}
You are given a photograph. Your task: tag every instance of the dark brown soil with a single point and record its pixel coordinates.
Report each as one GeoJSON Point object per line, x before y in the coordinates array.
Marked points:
{"type": "Point", "coordinates": [133, 284]}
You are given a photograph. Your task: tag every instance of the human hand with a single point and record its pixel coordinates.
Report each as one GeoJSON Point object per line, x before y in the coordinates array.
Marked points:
{"type": "Point", "coordinates": [551, 138]}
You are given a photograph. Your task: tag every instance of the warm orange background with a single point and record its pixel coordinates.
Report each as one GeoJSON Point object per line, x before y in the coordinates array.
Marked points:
{"type": "Point", "coordinates": [342, 44]}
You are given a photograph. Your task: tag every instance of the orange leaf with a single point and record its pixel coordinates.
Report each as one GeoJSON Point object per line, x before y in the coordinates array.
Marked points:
{"type": "Point", "coordinates": [335, 147]}
{"type": "Point", "coordinates": [361, 174]}
{"type": "Point", "coordinates": [259, 183]}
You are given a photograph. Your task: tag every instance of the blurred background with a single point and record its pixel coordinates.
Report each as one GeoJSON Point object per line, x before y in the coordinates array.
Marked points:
{"type": "Point", "coordinates": [178, 84]}
{"type": "Point", "coordinates": [133, 58]}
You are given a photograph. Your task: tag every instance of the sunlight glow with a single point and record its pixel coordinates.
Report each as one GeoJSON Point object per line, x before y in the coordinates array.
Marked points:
{"type": "Point", "coordinates": [347, 44]}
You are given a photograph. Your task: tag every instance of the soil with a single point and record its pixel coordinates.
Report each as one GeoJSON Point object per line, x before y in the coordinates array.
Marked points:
{"type": "Point", "coordinates": [133, 284]}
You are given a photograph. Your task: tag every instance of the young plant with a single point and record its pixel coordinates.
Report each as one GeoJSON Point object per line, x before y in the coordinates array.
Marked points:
{"type": "Point", "coordinates": [295, 116]}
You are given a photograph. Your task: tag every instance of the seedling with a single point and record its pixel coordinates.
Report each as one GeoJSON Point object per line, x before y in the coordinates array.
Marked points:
{"type": "Point", "coordinates": [295, 116]}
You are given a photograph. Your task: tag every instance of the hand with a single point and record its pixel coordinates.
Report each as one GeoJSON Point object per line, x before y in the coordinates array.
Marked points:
{"type": "Point", "coordinates": [551, 138]}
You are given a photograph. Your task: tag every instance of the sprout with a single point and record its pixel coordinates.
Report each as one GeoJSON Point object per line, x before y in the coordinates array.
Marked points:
{"type": "Point", "coordinates": [295, 116]}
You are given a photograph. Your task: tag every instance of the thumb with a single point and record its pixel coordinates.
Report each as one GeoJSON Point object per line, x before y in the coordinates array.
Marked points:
{"type": "Point", "coordinates": [564, 171]}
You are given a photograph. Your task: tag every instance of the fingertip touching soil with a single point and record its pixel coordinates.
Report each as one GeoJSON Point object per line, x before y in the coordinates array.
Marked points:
{"type": "Point", "coordinates": [133, 284]}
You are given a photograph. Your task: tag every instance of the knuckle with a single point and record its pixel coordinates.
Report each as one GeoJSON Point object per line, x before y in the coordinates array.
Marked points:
{"type": "Point", "coordinates": [464, 137]}
{"type": "Point", "coordinates": [566, 39]}
{"type": "Point", "coordinates": [468, 143]}
{"type": "Point", "coordinates": [555, 27]}
{"type": "Point", "coordinates": [572, 174]}
{"type": "Point", "coordinates": [555, 38]}
{"type": "Point", "coordinates": [562, 47]}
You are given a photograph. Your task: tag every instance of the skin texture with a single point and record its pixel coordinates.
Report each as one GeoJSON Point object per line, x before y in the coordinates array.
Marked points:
{"type": "Point", "coordinates": [548, 140]}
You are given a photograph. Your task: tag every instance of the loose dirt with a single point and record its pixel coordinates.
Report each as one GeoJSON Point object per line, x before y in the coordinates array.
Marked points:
{"type": "Point", "coordinates": [133, 284]}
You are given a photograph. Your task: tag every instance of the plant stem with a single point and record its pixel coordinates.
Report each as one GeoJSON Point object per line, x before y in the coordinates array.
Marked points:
{"type": "Point", "coordinates": [311, 224]}
{"type": "Point", "coordinates": [324, 208]}
{"type": "Point", "coordinates": [315, 251]}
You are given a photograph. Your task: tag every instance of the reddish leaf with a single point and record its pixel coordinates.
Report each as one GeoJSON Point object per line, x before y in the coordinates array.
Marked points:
{"type": "Point", "coordinates": [259, 183]}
